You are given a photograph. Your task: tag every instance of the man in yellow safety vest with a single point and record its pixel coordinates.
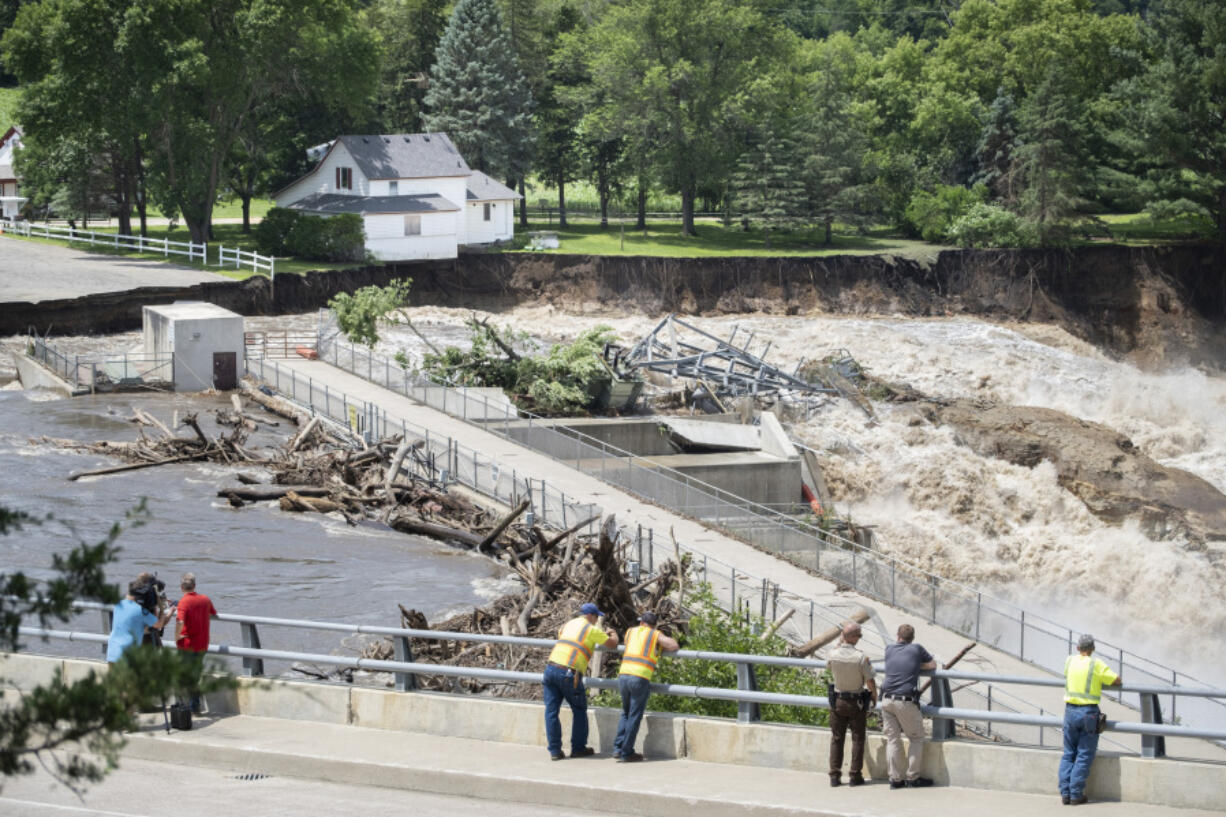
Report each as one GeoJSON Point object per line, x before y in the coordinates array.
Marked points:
{"type": "Point", "coordinates": [643, 647]}
{"type": "Point", "coordinates": [1084, 679]}
{"type": "Point", "coordinates": [564, 679]}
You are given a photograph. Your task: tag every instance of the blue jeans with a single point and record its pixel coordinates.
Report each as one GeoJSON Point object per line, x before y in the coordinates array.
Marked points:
{"type": "Point", "coordinates": [634, 692]}
{"type": "Point", "coordinates": [560, 685]}
{"type": "Point", "coordinates": [1080, 744]}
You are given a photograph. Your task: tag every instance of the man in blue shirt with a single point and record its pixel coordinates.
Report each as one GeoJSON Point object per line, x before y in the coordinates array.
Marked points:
{"type": "Point", "coordinates": [900, 709]}
{"type": "Point", "coordinates": [129, 622]}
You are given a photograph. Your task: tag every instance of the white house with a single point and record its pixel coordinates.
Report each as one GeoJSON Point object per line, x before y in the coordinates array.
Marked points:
{"type": "Point", "coordinates": [416, 195]}
{"type": "Point", "coordinates": [10, 202]}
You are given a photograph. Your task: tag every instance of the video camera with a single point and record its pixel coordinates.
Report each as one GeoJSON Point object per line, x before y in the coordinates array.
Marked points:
{"type": "Point", "coordinates": [151, 595]}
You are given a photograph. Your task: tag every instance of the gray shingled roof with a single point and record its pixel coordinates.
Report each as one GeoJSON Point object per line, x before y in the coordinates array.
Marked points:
{"type": "Point", "coordinates": [482, 188]}
{"type": "Point", "coordinates": [406, 155]}
{"type": "Point", "coordinates": [334, 203]}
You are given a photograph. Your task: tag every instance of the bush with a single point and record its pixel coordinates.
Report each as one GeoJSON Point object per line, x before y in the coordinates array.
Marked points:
{"type": "Point", "coordinates": [710, 628]}
{"type": "Point", "coordinates": [931, 214]}
{"type": "Point", "coordinates": [990, 225]}
{"type": "Point", "coordinates": [272, 233]}
{"type": "Point", "coordinates": [314, 238]}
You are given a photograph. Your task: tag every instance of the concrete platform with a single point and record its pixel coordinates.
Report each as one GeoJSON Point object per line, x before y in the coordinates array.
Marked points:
{"type": "Point", "coordinates": [501, 772]}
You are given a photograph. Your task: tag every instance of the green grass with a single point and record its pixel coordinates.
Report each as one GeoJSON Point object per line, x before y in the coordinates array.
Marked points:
{"type": "Point", "coordinates": [664, 239]}
{"type": "Point", "coordinates": [1140, 229]}
{"type": "Point", "coordinates": [228, 235]}
{"type": "Point", "coordinates": [8, 108]}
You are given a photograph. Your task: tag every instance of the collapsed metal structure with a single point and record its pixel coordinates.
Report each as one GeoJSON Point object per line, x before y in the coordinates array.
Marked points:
{"type": "Point", "coordinates": [724, 369]}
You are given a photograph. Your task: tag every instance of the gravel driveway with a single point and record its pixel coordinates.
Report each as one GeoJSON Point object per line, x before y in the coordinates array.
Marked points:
{"type": "Point", "coordinates": [33, 271]}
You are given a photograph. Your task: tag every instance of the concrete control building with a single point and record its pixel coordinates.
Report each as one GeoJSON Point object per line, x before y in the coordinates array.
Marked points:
{"type": "Point", "coordinates": [204, 340]}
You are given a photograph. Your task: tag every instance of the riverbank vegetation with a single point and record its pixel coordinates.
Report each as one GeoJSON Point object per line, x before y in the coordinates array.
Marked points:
{"type": "Point", "coordinates": [1021, 123]}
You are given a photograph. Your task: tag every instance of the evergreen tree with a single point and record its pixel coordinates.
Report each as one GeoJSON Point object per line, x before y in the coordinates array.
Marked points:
{"type": "Point", "coordinates": [996, 149]}
{"type": "Point", "coordinates": [1177, 110]}
{"type": "Point", "coordinates": [478, 96]}
{"type": "Point", "coordinates": [1053, 174]}
{"type": "Point", "coordinates": [767, 183]}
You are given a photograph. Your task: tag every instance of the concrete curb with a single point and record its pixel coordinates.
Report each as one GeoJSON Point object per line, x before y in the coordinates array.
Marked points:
{"type": "Point", "coordinates": [185, 749]}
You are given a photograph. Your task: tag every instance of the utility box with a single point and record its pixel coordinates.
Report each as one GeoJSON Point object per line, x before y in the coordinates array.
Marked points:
{"type": "Point", "coordinates": [204, 341]}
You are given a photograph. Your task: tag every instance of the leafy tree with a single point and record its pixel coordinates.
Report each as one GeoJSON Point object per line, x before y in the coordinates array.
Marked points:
{"type": "Point", "coordinates": [558, 109]}
{"type": "Point", "coordinates": [409, 31]}
{"type": "Point", "coordinates": [85, 718]}
{"type": "Point", "coordinates": [478, 95]}
{"type": "Point", "coordinates": [1176, 114]}
{"type": "Point", "coordinates": [835, 141]}
{"type": "Point", "coordinates": [359, 314]}
{"type": "Point", "coordinates": [672, 73]}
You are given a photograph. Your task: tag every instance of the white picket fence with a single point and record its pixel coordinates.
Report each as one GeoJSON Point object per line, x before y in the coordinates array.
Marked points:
{"type": "Point", "coordinates": [135, 243]}
{"type": "Point", "coordinates": [242, 258]}
{"type": "Point", "coordinates": [226, 256]}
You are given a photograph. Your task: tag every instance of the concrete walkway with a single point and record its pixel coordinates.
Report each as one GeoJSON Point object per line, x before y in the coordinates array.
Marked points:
{"type": "Point", "coordinates": [502, 773]}
{"type": "Point", "coordinates": [703, 540]}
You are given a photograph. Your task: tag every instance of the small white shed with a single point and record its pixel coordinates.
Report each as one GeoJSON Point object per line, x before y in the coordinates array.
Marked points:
{"type": "Point", "coordinates": [205, 341]}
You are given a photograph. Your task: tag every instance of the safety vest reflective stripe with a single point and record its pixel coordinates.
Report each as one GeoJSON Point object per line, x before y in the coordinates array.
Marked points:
{"type": "Point", "coordinates": [1076, 690]}
{"type": "Point", "coordinates": [642, 644]}
{"type": "Point", "coordinates": [571, 648]}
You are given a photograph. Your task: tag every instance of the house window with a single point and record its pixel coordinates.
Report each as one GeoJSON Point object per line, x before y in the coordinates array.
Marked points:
{"type": "Point", "coordinates": [487, 211]}
{"type": "Point", "coordinates": [393, 188]}
{"type": "Point", "coordinates": [412, 225]}
{"type": "Point", "coordinates": [344, 178]}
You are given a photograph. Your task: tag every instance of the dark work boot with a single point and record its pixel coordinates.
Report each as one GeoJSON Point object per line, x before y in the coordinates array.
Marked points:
{"type": "Point", "coordinates": [855, 780]}
{"type": "Point", "coordinates": [919, 783]}
{"type": "Point", "coordinates": [836, 779]}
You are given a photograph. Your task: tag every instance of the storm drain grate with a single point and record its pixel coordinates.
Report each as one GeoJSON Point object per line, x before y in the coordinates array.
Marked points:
{"type": "Point", "coordinates": [251, 776]}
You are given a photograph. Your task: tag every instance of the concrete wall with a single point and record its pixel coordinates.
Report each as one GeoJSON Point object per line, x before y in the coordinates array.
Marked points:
{"type": "Point", "coordinates": [1178, 783]}
{"type": "Point", "coordinates": [195, 341]}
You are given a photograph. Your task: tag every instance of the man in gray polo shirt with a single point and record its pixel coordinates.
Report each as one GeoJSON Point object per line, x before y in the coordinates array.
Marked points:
{"type": "Point", "coordinates": [900, 708]}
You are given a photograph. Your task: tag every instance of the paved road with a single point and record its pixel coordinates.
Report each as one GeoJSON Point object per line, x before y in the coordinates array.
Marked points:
{"type": "Point", "coordinates": [33, 271]}
{"type": "Point", "coordinates": [142, 788]}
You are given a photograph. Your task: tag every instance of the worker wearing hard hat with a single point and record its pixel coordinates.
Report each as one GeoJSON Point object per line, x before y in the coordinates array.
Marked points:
{"type": "Point", "coordinates": [1084, 679]}
{"type": "Point", "coordinates": [563, 679]}
{"type": "Point", "coordinates": [644, 644]}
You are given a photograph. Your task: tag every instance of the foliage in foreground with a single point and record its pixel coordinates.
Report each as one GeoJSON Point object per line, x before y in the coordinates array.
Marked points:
{"type": "Point", "coordinates": [87, 717]}
{"type": "Point", "coordinates": [716, 630]}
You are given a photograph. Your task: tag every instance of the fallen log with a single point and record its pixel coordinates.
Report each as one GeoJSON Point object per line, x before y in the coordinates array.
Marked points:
{"type": "Point", "coordinates": [493, 535]}
{"type": "Point", "coordinates": [277, 405]}
{"type": "Point", "coordinates": [134, 466]}
{"type": "Point", "coordinates": [293, 501]}
{"type": "Point", "coordinates": [779, 622]}
{"type": "Point", "coordinates": [260, 493]}
{"type": "Point", "coordinates": [301, 436]}
{"type": "Point", "coordinates": [824, 638]}
{"type": "Point", "coordinates": [949, 664]}
{"type": "Point", "coordinates": [406, 524]}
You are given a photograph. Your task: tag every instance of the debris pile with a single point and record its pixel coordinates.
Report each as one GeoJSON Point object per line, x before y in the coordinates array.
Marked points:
{"type": "Point", "coordinates": [723, 371]}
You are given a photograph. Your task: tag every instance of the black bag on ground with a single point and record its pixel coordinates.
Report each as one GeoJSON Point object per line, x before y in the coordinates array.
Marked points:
{"type": "Point", "coordinates": [181, 716]}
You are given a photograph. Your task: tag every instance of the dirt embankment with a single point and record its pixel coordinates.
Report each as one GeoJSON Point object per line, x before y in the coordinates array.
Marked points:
{"type": "Point", "coordinates": [1100, 466]}
{"type": "Point", "coordinates": [1155, 305]}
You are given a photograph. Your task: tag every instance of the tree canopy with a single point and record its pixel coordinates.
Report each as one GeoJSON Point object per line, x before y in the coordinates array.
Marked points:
{"type": "Point", "coordinates": [1062, 109]}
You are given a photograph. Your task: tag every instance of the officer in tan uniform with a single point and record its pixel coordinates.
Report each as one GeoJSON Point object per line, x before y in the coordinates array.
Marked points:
{"type": "Point", "coordinates": [852, 694]}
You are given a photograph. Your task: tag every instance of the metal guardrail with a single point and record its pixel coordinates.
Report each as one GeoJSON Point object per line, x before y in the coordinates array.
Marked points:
{"type": "Point", "coordinates": [134, 243]}
{"type": "Point", "coordinates": [105, 372]}
{"type": "Point", "coordinates": [1005, 626]}
{"type": "Point", "coordinates": [278, 344]}
{"type": "Point", "coordinates": [747, 697]}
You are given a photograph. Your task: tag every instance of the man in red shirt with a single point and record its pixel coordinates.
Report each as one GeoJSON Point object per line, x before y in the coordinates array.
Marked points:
{"type": "Point", "coordinates": [192, 629]}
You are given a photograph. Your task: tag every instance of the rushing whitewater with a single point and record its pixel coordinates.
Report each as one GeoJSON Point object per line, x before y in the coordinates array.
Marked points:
{"type": "Point", "coordinates": [1008, 530]}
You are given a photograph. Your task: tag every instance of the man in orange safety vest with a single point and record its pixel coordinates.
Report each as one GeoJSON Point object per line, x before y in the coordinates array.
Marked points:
{"type": "Point", "coordinates": [643, 647]}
